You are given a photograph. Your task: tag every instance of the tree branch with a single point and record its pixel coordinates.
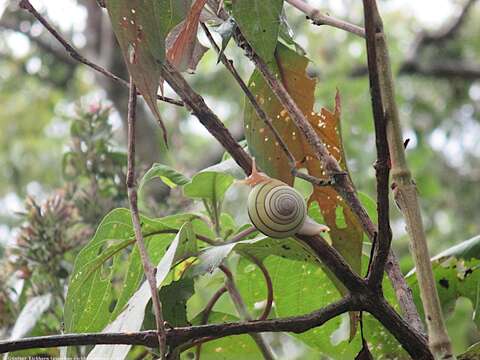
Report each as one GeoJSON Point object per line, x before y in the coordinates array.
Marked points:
{"type": "Point", "coordinates": [405, 191]}
{"type": "Point", "coordinates": [26, 5]}
{"type": "Point", "coordinates": [382, 166]}
{"type": "Point", "coordinates": [322, 19]}
{"type": "Point", "coordinates": [177, 336]}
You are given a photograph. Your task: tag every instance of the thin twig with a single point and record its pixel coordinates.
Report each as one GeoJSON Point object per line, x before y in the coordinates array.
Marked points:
{"type": "Point", "coordinates": [25, 4]}
{"type": "Point", "coordinates": [268, 283]}
{"type": "Point", "coordinates": [206, 314]}
{"type": "Point", "coordinates": [132, 196]}
{"type": "Point", "coordinates": [240, 236]}
{"type": "Point", "coordinates": [405, 192]}
{"type": "Point", "coordinates": [322, 19]}
{"type": "Point", "coordinates": [243, 312]}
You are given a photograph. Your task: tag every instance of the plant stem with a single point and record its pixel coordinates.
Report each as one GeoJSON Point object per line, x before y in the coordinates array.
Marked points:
{"type": "Point", "coordinates": [132, 196]}
{"type": "Point", "coordinates": [405, 193]}
{"type": "Point", "coordinates": [243, 312]}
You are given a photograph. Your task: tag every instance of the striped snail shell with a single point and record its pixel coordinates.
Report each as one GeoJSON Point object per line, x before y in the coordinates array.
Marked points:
{"type": "Point", "coordinates": [276, 209]}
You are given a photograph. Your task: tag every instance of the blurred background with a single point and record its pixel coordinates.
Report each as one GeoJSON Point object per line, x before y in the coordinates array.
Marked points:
{"type": "Point", "coordinates": [435, 52]}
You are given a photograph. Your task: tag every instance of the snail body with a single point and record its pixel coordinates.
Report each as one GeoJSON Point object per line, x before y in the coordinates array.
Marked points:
{"type": "Point", "coordinates": [277, 209]}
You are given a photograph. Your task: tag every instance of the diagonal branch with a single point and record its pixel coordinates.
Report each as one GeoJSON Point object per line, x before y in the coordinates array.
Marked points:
{"type": "Point", "coordinates": [26, 5]}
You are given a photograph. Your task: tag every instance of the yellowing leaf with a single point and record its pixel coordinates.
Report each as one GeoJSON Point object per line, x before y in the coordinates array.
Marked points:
{"type": "Point", "coordinates": [346, 231]}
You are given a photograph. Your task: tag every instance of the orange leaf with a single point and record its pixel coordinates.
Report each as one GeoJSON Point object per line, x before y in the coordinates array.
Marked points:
{"type": "Point", "coordinates": [183, 49]}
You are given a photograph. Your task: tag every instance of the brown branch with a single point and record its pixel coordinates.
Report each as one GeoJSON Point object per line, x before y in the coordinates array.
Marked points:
{"type": "Point", "coordinates": [207, 117]}
{"type": "Point", "coordinates": [322, 19]}
{"type": "Point", "coordinates": [177, 336]}
{"type": "Point", "coordinates": [25, 4]}
{"type": "Point", "coordinates": [263, 115]}
{"type": "Point", "coordinates": [381, 245]}
{"type": "Point", "coordinates": [405, 192]}
{"type": "Point", "coordinates": [132, 196]}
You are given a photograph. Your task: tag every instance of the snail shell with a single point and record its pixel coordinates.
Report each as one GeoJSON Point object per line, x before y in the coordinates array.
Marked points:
{"type": "Point", "coordinates": [276, 209]}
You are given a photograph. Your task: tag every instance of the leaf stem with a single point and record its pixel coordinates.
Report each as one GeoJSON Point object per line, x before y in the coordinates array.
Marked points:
{"type": "Point", "coordinates": [243, 312]}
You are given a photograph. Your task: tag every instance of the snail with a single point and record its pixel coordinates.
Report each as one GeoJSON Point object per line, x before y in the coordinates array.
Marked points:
{"type": "Point", "coordinates": [277, 209]}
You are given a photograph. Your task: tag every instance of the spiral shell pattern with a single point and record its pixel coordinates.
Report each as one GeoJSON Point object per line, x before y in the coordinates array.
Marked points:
{"type": "Point", "coordinates": [276, 209]}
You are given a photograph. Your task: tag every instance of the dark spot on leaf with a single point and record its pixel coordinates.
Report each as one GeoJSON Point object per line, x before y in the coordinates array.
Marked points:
{"type": "Point", "coordinates": [444, 283]}
{"type": "Point", "coordinates": [286, 247]}
{"type": "Point", "coordinates": [112, 305]}
{"type": "Point", "coordinates": [468, 272]}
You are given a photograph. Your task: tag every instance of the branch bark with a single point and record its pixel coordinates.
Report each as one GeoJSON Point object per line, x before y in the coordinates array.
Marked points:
{"type": "Point", "coordinates": [405, 191]}
{"type": "Point", "coordinates": [322, 19]}
{"type": "Point", "coordinates": [180, 335]}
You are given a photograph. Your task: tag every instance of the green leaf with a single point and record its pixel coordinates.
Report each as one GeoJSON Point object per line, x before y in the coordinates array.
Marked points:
{"type": "Point", "coordinates": [92, 299]}
{"type": "Point", "coordinates": [131, 318]}
{"type": "Point", "coordinates": [168, 175]}
{"type": "Point", "coordinates": [208, 185]}
{"type": "Point", "coordinates": [454, 279]}
{"type": "Point", "coordinates": [261, 247]}
{"type": "Point", "coordinates": [259, 21]}
{"type": "Point", "coordinates": [174, 298]}
{"type": "Point", "coordinates": [302, 287]}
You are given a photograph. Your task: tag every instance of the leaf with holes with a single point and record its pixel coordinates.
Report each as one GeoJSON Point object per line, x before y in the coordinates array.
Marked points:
{"type": "Point", "coordinates": [259, 22]}
{"type": "Point", "coordinates": [457, 274]}
{"type": "Point", "coordinates": [141, 27]}
{"type": "Point", "coordinates": [93, 299]}
{"type": "Point", "coordinates": [346, 232]}
{"type": "Point", "coordinates": [302, 287]}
